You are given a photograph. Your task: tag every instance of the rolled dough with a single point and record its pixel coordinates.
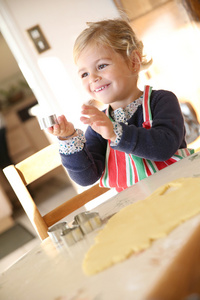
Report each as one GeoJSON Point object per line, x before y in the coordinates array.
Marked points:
{"type": "Point", "coordinates": [136, 226]}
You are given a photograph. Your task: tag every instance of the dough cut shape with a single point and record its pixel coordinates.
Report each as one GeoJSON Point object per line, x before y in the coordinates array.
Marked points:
{"type": "Point", "coordinates": [136, 226]}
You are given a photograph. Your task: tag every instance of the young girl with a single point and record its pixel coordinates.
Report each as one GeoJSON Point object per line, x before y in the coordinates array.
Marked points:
{"type": "Point", "coordinates": [139, 133]}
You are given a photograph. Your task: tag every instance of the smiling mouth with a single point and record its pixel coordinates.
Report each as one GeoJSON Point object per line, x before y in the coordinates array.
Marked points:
{"type": "Point", "coordinates": [101, 88]}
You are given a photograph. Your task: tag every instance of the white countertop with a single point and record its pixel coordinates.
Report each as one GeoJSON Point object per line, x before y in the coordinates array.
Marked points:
{"type": "Point", "coordinates": [54, 272]}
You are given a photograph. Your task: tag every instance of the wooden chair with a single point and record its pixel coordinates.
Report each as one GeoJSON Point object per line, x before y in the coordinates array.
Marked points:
{"type": "Point", "coordinates": [32, 168]}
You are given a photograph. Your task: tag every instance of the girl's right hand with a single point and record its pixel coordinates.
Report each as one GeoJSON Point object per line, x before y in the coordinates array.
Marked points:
{"type": "Point", "coordinates": [62, 129]}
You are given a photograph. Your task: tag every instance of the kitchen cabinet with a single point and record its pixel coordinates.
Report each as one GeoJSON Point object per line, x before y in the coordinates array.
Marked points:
{"type": "Point", "coordinates": [137, 8]}
{"type": "Point", "coordinates": [24, 135]}
{"type": "Point", "coordinates": [6, 219]}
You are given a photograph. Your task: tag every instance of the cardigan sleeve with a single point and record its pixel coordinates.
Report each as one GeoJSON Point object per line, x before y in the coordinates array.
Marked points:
{"type": "Point", "coordinates": [166, 135]}
{"type": "Point", "coordinates": [86, 166]}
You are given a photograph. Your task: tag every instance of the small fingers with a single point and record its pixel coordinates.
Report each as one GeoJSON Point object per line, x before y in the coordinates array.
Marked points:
{"type": "Point", "coordinates": [63, 128]}
{"type": "Point", "coordinates": [93, 119]}
{"type": "Point", "coordinates": [55, 130]}
{"type": "Point", "coordinates": [89, 110]}
{"type": "Point", "coordinates": [50, 129]}
{"type": "Point", "coordinates": [62, 122]}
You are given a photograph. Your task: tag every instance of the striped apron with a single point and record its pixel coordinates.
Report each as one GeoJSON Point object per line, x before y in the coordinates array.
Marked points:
{"type": "Point", "coordinates": [123, 170]}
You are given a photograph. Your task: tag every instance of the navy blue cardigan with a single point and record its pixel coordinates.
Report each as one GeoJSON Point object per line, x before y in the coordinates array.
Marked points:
{"type": "Point", "coordinates": [159, 143]}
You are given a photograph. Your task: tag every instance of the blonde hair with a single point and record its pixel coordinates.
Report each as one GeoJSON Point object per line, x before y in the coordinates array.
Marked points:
{"type": "Point", "coordinates": [114, 33]}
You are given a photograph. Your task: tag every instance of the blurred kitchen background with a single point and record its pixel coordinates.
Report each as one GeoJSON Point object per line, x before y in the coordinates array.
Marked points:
{"type": "Point", "coordinates": [38, 76]}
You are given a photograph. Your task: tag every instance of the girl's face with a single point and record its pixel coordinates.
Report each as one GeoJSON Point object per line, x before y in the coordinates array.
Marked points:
{"type": "Point", "coordinates": [106, 76]}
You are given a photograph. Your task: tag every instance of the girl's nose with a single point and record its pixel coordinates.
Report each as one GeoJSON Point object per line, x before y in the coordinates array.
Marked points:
{"type": "Point", "coordinates": [94, 78]}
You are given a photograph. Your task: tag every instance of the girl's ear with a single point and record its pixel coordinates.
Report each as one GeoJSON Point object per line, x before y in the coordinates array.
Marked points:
{"type": "Point", "coordinates": [136, 59]}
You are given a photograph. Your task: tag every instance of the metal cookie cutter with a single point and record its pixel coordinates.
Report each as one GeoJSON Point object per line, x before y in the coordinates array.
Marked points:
{"type": "Point", "coordinates": [48, 121]}
{"type": "Point", "coordinates": [88, 221]}
{"type": "Point", "coordinates": [71, 235]}
{"type": "Point", "coordinates": [55, 231]}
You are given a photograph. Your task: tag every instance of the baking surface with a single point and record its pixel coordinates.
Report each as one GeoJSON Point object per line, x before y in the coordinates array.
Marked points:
{"type": "Point", "coordinates": [55, 272]}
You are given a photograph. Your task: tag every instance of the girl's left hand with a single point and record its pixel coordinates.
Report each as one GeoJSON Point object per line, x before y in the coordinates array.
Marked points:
{"type": "Point", "coordinates": [98, 121]}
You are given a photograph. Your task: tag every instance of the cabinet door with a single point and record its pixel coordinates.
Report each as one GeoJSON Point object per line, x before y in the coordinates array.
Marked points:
{"type": "Point", "coordinates": [11, 120]}
{"type": "Point", "coordinates": [18, 143]}
{"type": "Point", "coordinates": [37, 136]}
{"type": "Point", "coordinates": [6, 207]}
{"type": "Point", "coordinates": [135, 9]}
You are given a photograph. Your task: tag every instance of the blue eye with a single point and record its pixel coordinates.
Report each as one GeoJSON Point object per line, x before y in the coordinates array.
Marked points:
{"type": "Point", "coordinates": [102, 66]}
{"type": "Point", "coordinates": [84, 75]}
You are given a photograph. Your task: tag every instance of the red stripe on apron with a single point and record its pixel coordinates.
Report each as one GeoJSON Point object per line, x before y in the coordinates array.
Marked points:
{"type": "Point", "coordinates": [121, 165]}
{"type": "Point", "coordinates": [148, 172]}
{"type": "Point", "coordinates": [146, 96]}
{"type": "Point", "coordinates": [112, 168]}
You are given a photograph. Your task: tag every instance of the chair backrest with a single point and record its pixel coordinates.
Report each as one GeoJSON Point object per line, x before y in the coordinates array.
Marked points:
{"type": "Point", "coordinates": [32, 168]}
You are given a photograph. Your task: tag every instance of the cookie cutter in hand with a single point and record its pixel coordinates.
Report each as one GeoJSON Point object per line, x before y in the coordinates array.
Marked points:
{"type": "Point", "coordinates": [47, 122]}
{"type": "Point", "coordinates": [88, 221]}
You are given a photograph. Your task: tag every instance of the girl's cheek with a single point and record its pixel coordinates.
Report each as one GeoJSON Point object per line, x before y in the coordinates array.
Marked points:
{"type": "Point", "coordinates": [86, 86]}
{"type": "Point", "coordinates": [88, 89]}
